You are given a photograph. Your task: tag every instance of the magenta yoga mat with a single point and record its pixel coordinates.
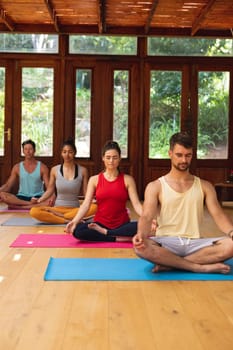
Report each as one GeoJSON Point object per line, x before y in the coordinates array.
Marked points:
{"type": "Point", "coordinates": [61, 241]}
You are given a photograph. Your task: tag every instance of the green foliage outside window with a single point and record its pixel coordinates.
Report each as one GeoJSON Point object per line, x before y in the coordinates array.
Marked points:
{"type": "Point", "coordinates": [158, 46]}
{"type": "Point", "coordinates": [37, 125]}
{"type": "Point", "coordinates": [165, 96]}
{"type": "Point", "coordinates": [29, 43]}
{"type": "Point", "coordinates": [102, 45]}
{"type": "Point", "coordinates": [83, 112]}
{"type": "Point", "coordinates": [121, 109]}
{"type": "Point", "coordinates": [213, 113]}
{"type": "Point", "coordinates": [37, 108]}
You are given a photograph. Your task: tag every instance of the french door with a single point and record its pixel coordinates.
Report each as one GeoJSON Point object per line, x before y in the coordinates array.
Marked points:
{"type": "Point", "coordinates": [138, 105]}
{"type": "Point", "coordinates": [29, 110]}
{"type": "Point", "coordinates": [191, 97]}
{"type": "Point", "coordinates": [105, 104]}
{"type": "Point", "coordinates": [6, 119]}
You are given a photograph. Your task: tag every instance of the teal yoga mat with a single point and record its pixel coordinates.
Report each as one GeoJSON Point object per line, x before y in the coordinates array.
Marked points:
{"type": "Point", "coordinates": [120, 269]}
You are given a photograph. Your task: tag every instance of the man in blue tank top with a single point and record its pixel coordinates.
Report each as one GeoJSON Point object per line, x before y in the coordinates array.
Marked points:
{"type": "Point", "coordinates": [31, 175]}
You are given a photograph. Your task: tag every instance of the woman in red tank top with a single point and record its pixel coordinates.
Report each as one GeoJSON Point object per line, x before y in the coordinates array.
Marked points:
{"type": "Point", "coordinates": [111, 189]}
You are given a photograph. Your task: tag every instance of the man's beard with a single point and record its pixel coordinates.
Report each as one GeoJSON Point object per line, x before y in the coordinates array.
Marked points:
{"type": "Point", "coordinates": [183, 168]}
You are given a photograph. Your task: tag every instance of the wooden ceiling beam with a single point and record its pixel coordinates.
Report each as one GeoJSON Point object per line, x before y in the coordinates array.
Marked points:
{"type": "Point", "coordinates": [52, 14]}
{"type": "Point", "coordinates": [6, 20]}
{"type": "Point", "coordinates": [102, 16]}
{"type": "Point", "coordinates": [151, 14]}
{"type": "Point", "coordinates": [197, 23]}
{"type": "Point", "coordinates": [134, 31]}
{"type": "Point", "coordinates": [140, 31]}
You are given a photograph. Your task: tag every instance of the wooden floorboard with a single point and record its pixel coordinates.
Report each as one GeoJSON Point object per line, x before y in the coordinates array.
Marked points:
{"type": "Point", "coordinates": [35, 314]}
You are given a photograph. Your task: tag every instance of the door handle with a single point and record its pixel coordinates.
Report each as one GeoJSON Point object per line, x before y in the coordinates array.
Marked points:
{"type": "Point", "coordinates": [8, 132]}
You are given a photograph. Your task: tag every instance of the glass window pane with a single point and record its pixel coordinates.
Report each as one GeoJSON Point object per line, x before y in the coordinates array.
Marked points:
{"type": "Point", "coordinates": [103, 45]}
{"type": "Point", "coordinates": [83, 112]}
{"type": "Point", "coordinates": [121, 110]}
{"type": "Point", "coordinates": [165, 110]}
{"type": "Point", "coordinates": [213, 115]}
{"type": "Point", "coordinates": [2, 109]}
{"type": "Point", "coordinates": [29, 43]}
{"type": "Point", "coordinates": [37, 108]}
{"type": "Point", "coordinates": [161, 46]}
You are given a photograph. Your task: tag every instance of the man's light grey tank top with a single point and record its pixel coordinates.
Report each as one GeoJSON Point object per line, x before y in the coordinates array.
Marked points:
{"type": "Point", "coordinates": [68, 190]}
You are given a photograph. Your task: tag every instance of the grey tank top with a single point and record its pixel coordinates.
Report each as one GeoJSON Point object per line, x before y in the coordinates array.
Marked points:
{"type": "Point", "coordinates": [68, 190]}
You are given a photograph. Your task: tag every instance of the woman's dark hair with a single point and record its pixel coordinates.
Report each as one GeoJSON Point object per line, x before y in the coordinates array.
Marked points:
{"type": "Point", "coordinates": [111, 145]}
{"type": "Point", "coordinates": [182, 138]}
{"type": "Point", "coordinates": [29, 142]}
{"type": "Point", "coordinates": [70, 142]}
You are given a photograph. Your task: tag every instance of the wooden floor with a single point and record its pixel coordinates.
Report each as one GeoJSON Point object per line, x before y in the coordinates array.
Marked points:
{"type": "Point", "coordinates": [35, 314]}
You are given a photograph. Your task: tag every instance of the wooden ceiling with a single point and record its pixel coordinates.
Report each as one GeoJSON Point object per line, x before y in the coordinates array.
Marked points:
{"type": "Point", "coordinates": [123, 17]}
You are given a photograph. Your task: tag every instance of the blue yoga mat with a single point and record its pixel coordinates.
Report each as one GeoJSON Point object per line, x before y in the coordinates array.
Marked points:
{"type": "Point", "coordinates": [126, 269]}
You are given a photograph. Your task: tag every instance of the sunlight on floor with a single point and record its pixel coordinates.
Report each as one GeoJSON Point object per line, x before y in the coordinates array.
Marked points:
{"type": "Point", "coordinates": [16, 257]}
{"type": "Point", "coordinates": [2, 278]}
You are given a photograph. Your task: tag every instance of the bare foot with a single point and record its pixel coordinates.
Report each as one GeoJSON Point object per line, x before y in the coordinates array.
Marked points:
{"type": "Point", "coordinates": [207, 268]}
{"type": "Point", "coordinates": [218, 267]}
{"type": "Point", "coordinates": [98, 228]}
{"type": "Point", "coordinates": [160, 268]}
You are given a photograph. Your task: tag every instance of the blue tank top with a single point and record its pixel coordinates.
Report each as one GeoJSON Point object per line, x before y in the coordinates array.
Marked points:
{"type": "Point", "coordinates": [30, 184]}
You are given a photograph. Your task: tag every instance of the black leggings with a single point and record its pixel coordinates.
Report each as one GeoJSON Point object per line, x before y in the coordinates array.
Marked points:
{"type": "Point", "coordinates": [83, 232]}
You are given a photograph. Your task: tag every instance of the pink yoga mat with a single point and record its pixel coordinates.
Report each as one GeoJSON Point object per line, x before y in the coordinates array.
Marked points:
{"type": "Point", "coordinates": [61, 240]}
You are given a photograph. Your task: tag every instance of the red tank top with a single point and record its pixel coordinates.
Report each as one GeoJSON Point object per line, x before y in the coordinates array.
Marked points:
{"type": "Point", "coordinates": [111, 198]}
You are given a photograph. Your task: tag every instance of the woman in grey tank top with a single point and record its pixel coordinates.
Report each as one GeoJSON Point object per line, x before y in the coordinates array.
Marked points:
{"type": "Point", "coordinates": [66, 181]}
